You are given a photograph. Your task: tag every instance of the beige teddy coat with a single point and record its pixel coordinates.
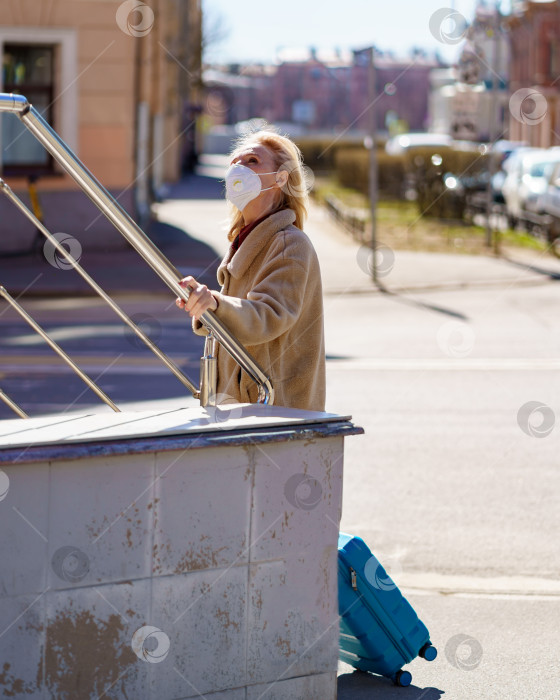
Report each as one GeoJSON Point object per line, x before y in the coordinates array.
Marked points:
{"type": "Point", "coordinates": [271, 300]}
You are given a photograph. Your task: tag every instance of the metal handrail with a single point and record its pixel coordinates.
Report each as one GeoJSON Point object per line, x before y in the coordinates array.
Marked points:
{"type": "Point", "coordinates": [45, 134]}
{"type": "Point", "coordinates": [74, 264]}
{"type": "Point", "coordinates": [13, 405]}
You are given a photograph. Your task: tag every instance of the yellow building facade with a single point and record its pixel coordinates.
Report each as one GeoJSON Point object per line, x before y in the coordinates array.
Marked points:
{"type": "Point", "coordinates": [117, 80]}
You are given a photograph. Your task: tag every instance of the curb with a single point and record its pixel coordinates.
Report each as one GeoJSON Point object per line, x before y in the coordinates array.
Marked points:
{"type": "Point", "coordinates": [443, 286]}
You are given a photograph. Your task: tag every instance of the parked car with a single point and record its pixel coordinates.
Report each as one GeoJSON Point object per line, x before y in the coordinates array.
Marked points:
{"type": "Point", "coordinates": [472, 187]}
{"type": "Point", "coordinates": [528, 171]}
{"type": "Point", "coordinates": [400, 143]}
{"type": "Point", "coordinates": [548, 207]}
{"type": "Point", "coordinates": [502, 149]}
{"type": "Point", "coordinates": [505, 148]}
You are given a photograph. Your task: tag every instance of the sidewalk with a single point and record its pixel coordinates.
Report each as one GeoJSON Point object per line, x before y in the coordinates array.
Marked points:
{"type": "Point", "coordinates": [190, 231]}
{"type": "Point", "coordinates": [346, 265]}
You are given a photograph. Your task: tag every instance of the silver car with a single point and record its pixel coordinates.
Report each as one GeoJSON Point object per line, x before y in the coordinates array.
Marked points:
{"type": "Point", "coordinates": [528, 171]}
{"type": "Point", "coordinates": [548, 206]}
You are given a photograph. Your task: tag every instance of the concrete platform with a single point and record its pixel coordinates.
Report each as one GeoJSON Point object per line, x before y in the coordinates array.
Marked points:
{"type": "Point", "coordinates": [171, 554]}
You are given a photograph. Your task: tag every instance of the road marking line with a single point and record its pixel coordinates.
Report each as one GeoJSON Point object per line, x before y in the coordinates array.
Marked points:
{"type": "Point", "coordinates": [94, 360]}
{"type": "Point", "coordinates": [40, 363]}
{"type": "Point", "coordinates": [10, 370]}
{"type": "Point", "coordinates": [521, 587]}
{"type": "Point", "coordinates": [445, 364]}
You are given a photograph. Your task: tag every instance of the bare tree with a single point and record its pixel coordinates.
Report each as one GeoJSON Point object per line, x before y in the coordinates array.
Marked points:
{"type": "Point", "coordinates": [215, 30]}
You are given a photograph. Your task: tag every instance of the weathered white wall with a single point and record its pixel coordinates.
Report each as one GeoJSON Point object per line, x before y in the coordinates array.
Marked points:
{"type": "Point", "coordinates": [230, 552]}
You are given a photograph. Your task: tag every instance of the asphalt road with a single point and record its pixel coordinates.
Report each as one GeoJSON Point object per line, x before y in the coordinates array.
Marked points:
{"type": "Point", "coordinates": [447, 485]}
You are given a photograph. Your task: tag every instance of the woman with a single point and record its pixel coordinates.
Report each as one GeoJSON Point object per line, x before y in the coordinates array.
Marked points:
{"type": "Point", "coordinates": [271, 296]}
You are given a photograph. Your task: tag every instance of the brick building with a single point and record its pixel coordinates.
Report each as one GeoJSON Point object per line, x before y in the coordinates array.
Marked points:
{"type": "Point", "coordinates": [115, 79]}
{"type": "Point", "coordinates": [402, 89]}
{"type": "Point", "coordinates": [534, 30]}
{"type": "Point", "coordinates": [320, 90]}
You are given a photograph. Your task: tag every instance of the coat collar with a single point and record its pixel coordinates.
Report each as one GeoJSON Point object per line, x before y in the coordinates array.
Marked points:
{"type": "Point", "coordinates": [238, 263]}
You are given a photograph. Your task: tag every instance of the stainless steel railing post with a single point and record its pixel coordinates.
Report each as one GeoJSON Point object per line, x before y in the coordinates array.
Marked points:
{"type": "Point", "coordinates": [208, 372]}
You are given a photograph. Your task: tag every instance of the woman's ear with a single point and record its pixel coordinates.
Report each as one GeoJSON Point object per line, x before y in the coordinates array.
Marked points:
{"type": "Point", "coordinates": [282, 178]}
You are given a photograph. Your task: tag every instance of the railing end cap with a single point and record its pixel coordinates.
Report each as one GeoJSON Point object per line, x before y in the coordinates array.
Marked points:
{"type": "Point", "coordinates": [13, 103]}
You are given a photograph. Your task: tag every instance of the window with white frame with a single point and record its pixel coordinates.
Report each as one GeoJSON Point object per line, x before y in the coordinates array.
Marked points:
{"type": "Point", "coordinates": [27, 69]}
{"type": "Point", "coordinates": [40, 63]}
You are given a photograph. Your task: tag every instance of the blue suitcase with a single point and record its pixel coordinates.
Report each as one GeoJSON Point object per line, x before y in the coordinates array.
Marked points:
{"type": "Point", "coordinates": [379, 630]}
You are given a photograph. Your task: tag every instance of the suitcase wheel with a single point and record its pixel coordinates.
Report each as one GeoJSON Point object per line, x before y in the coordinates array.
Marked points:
{"type": "Point", "coordinates": [403, 678]}
{"type": "Point", "coordinates": [428, 652]}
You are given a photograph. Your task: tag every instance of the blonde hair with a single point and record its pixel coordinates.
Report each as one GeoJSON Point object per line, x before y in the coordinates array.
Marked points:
{"type": "Point", "coordinates": [287, 157]}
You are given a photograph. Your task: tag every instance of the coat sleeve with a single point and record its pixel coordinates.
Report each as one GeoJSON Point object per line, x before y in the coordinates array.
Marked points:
{"type": "Point", "coordinates": [199, 328]}
{"type": "Point", "coordinates": [274, 303]}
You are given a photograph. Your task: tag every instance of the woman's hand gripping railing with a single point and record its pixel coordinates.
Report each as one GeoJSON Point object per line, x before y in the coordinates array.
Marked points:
{"type": "Point", "coordinates": [17, 104]}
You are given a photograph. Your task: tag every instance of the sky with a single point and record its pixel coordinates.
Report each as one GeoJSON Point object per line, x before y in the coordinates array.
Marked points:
{"type": "Point", "coordinates": [255, 29]}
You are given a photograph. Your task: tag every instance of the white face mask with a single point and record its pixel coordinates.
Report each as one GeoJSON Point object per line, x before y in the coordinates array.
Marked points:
{"type": "Point", "coordinates": [243, 185]}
